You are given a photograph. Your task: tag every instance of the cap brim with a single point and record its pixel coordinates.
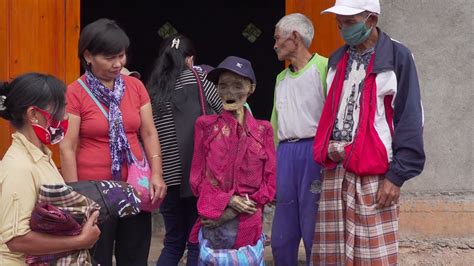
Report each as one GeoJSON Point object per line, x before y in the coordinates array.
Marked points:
{"type": "Point", "coordinates": [213, 75]}
{"type": "Point", "coordinates": [343, 10]}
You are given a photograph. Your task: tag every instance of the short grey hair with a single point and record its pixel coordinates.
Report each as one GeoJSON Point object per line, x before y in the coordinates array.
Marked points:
{"type": "Point", "coordinates": [299, 23]}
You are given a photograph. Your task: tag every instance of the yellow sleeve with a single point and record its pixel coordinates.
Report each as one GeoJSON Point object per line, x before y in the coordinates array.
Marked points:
{"type": "Point", "coordinates": [18, 195]}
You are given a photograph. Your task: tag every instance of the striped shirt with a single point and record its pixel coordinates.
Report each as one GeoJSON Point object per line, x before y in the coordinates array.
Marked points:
{"type": "Point", "coordinates": [164, 123]}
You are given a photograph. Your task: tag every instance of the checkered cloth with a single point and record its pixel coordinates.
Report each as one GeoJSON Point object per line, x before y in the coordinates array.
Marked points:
{"type": "Point", "coordinates": [349, 230]}
{"type": "Point", "coordinates": [71, 203]}
{"type": "Point", "coordinates": [244, 256]}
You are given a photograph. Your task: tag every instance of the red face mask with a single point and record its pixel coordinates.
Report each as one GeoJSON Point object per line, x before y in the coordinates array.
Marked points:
{"type": "Point", "coordinates": [55, 131]}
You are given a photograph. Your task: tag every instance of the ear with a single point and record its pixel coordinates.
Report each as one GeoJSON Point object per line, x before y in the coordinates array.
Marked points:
{"type": "Point", "coordinates": [31, 115]}
{"type": "Point", "coordinates": [252, 89]}
{"type": "Point", "coordinates": [295, 35]}
{"type": "Point", "coordinates": [88, 56]}
{"type": "Point", "coordinates": [372, 20]}
{"type": "Point", "coordinates": [375, 20]}
{"type": "Point", "coordinates": [296, 38]}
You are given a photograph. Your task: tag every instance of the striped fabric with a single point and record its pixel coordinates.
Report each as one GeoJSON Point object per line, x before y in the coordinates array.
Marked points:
{"type": "Point", "coordinates": [164, 123]}
{"type": "Point", "coordinates": [349, 230]}
{"type": "Point", "coordinates": [79, 207]}
{"type": "Point", "coordinates": [48, 219]}
{"type": "Point", "coordinates": [244, 256]}
{"type": "Point", "coordinates": [63, 197]}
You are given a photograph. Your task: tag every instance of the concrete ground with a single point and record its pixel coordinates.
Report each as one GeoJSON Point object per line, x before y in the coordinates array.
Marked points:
{"type": "Point", "coordinates": [413, 251]}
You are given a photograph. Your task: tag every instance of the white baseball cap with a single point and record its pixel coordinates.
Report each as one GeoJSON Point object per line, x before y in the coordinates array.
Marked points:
{"type": "Point", "coordinates": [353, 7]}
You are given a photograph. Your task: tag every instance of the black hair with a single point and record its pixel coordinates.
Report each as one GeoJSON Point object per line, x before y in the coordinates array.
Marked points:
{"type": "Point", "coordinates": [170, 63]}
{"type": "Point", "coordinates": [102, 36]}
{"type": "Point", "coordinates": [32, 89]}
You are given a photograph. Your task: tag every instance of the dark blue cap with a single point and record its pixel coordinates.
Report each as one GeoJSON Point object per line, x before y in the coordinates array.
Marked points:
{"type": "Point", "coordinates": [237, 65]}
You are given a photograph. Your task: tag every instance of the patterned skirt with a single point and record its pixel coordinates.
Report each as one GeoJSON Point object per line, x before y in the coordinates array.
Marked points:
{"type": "Point", "coordinates": [349, 229]}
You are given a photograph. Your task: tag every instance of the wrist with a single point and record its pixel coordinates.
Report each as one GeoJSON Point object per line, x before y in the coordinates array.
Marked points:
{"type": "Point", "coordinates": [81, 241]}
{"type": "Point", "coordinates": [157, 176]}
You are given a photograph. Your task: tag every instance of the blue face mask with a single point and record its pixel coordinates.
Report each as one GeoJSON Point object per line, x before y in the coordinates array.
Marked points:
{"type": "Point", "coordinates": [357, 33]}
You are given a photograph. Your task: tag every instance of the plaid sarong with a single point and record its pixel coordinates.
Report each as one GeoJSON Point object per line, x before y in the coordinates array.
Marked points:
{"type": "Point", "coordinates": [349, 230]}
{"type": "Point", "coordinates": [74, 204]}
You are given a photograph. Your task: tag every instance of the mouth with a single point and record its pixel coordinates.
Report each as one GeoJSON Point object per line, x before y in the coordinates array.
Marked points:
{"type": "Point", "coordinates": [230, 105]}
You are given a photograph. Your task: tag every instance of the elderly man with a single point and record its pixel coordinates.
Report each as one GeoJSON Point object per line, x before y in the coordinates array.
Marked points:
{"type": "Point", "coordinates": [369, 141]}
{"type": "Point", "coordinates": [299, 97]}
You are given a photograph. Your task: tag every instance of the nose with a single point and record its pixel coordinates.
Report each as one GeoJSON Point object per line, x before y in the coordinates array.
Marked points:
{"type": "Point", "coordinates": [117, 63]}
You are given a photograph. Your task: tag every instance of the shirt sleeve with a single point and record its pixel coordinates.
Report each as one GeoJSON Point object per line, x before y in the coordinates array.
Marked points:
{"type": "Point", "coordinates": [211, 94]}
{"type": "Point", "coordinates": [274, 118]}
{"type": "Point", "coordinates": [73, 99]}
{"type": "Point", "coordinates": [142, 93]}
{"type": "Point", "coordinates": [212, 201]}
{"type": "Point", "coordinates": [17, 201]}
{"type": "Point", "coordinates": [408, 152]}
{"type": "Point", "coordinates": [267, 190]}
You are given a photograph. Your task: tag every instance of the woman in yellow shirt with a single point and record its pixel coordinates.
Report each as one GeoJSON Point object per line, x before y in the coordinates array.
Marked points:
{"type": "Point", "coordinates": [34, 104]}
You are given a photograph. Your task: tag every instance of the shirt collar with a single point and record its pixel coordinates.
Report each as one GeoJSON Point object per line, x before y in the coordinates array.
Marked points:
{"type": "Point", "coordinates": [35, 153]}
{"type": "Point", "coordinates": [251, 125]}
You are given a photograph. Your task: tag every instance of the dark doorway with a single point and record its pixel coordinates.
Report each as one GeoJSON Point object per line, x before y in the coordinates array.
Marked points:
{"type": "Point", "coordinates": [215, 28]}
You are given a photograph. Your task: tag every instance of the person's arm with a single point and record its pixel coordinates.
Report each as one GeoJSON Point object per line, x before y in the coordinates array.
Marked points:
{"type": "Point", "coordinates": [407, 144]}
{"type": "Point", "coordinates": [152, 147]}
{"type": "Point", "coordinates": [408, 152]}
{"type": "Point", "coordinates": [228, 214]}
{"type": "Point", "coordinates": [34, 243]}
{"type": "Point", "coordinates": [67, 148]}
{"type": "Point", "coordinates": [211, 95]}
{"type": "Point", "coordinates": [266, 192]}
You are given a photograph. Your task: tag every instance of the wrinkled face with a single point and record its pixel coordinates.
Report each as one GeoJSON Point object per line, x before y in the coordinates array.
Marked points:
{"type": "Point", "coordinates": [234, 90]}
{"type": "Point", "coordinates": [284, 44]}
{"type": "Point", "coordinates": [106, 67]}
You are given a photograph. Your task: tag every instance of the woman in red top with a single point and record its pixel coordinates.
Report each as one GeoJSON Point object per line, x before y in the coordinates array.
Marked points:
{"type": "Point", "coordinates": [95, 147]}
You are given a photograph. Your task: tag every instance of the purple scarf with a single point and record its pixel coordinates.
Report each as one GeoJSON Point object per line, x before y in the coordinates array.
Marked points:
{"type": "Point", "coordinates": [118, 142]}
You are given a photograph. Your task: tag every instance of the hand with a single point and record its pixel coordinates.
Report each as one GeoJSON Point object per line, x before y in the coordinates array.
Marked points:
{"type": "Point", "coordinates": [241, 205]}
{"type": "Point", "coordinates": [226, 216]}
{"type": "Point", "coordinates": [90, 231]}
{"type": "Point", "coordinates": [157, 188]}
{"type": "Point", "coordinates": [208, 223]}
{"type": "Point", "coordinates": [388, 194]}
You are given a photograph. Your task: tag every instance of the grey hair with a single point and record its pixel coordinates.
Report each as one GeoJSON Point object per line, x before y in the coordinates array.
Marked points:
{"type": "Point", "coordinates": [299, 23]}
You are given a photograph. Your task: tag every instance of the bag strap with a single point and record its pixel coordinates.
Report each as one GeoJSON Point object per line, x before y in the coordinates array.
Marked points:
{"type": "Point", "coordinates": [201, 92]}
{"type": "Point", "coordinates": [93, 98]}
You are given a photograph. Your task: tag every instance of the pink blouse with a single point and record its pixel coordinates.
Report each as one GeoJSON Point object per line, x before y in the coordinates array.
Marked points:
{"type": "Point", "coordinates": [230, 159]}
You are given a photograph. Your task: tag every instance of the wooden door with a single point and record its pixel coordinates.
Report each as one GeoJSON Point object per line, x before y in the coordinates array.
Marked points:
{"type": "Point", "coordinates": [326, 37]}
{"type": "Point", "coordinates": [39, 36]}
